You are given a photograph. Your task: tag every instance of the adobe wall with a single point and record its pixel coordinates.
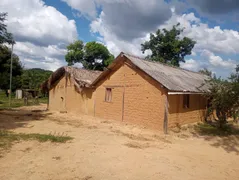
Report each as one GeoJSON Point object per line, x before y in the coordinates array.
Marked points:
{"type": "Point", "coordinates": [79, 102]}
{"type": "Point", "coordinates": [136, 98]}
{"type": "Point", "coordinates": [68, 99]}
{"type": "Point", "coordinates": [57, 96]}
{"type": "Point", "coordinates": [178, 115]}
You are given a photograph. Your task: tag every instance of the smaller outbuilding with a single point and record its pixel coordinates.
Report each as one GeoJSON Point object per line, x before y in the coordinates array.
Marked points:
{"type": "Point", "coordinates": [132, 90]}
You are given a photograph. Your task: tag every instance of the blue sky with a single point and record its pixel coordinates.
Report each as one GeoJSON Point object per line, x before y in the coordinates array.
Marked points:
{"type": "Point", "coordinates": [82, 23]}
{"type": "Point", "coordinates": [45, 28]}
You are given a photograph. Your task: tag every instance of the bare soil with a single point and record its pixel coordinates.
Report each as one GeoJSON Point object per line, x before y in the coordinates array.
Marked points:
{"type": "Point", "coordinates": [106, 150]}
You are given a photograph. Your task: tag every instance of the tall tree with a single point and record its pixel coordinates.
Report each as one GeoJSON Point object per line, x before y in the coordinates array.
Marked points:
{"type": "Point", "coordinates": [168, 47]}
{"type": "Point", "coordinates": [96, 56]}
{"type": "Point", "coordinates": [5, 37]}
{"type": "Point", "coordinates": [5, 58]}
{"type": "Point", "coordinates": [93, 56]}
{"type": "Point", "coordinates": [75, 52]}
{"type": "Point", "coordinates": [234, 78]}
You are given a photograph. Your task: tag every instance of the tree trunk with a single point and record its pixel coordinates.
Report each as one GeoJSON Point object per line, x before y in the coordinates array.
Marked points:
{"type": "Point", "coordinates": [6, 92]}
{"type": "Point", "coordinates": [222, 118]}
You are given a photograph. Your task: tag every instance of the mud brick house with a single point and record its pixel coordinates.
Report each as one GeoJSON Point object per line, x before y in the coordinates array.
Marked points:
{"type": "Point", "coordinates": [132, 90]}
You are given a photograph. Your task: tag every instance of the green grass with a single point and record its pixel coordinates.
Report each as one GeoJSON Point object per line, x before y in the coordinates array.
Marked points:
{"type": "Point", "coordinates": [7, 138]}
{"type": "Point", "coordinates": [4, 101]}
{"type": "Point", "coordinates": [213, 130]}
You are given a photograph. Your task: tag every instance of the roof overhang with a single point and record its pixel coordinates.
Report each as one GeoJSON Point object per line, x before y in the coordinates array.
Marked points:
{"type": "Point", "coordinates": [177, 93]}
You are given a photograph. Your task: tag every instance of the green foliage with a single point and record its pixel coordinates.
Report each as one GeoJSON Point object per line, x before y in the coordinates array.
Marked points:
{"type": "Point", "coordinates": [93, 56]}
{"type": "Point", "coordinates": [224, 97]}
{"type": "Point", "coordinates": [167, 46]}
{"type": "Point", "coordinates": [5, 61]}
{"type": "Point", "coordinates": [234, 79]}
{"type": "Point", "coordinates": [33, 78]}
{"type": "Point", "coordinates": [75, 52]}
{"type": "Point", "coordinates": [7, 138]}
{"type": "Point", "coordinates": [5, 37]}
{"type": "Point", "coordinates": [205, 71]}
{"type": "Point", "coordinates": [26, 79]}
{"type": "Point", "coordinates": [4, 101]}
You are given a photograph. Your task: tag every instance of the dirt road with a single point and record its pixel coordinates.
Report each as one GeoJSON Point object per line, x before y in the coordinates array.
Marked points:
{"type": "Point", "coordinates": [110, 150]}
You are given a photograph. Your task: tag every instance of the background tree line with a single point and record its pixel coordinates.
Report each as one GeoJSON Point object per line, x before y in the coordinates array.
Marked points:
{"type": "Point", "coordinates": [21, 78]}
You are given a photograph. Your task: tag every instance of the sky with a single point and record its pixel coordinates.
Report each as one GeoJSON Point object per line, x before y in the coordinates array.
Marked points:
{"type": "Point", "coordinates": [43, 28]}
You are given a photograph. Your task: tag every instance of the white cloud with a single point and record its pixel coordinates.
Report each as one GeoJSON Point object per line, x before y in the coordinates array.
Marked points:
{"type": "Point", "coordinates": [86, 7]}
{"type": "Point", "coordinates": [191, 64]}
{"type": "Point", "coordinates": [126, 19]}
{"type": "Point", "coordinates": [41, 32]}
{"type": "Point", "coordinates": [214, 39]}
{"type": "Point", "coordinates": [113, 43]}
{"type": "Point", "coordinates": [215, 7]}
{"type": "Point", "coordinates": [217, 61]}
{"type": "Point", "coordinates": [32, 56]}
{"type": "Point", "coordinates": [35, 22]}
{"type": "Point", "coordinates": [216, 64]}
{"type": "Point", "coordinates": [123, 25]}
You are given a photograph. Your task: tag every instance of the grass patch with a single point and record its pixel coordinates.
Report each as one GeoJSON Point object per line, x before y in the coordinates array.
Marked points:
{"type": "Point", "coordinates": [4, 101]}
{"type": "Point", "coordinates": [7, 138]}
{"type": "Point", "coordinates": [137, 145]}
{"type": "Point", "coordinates": [213, 130]}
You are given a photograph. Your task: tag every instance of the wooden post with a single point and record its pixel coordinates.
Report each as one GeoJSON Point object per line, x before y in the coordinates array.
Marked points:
{"type": "Point", "coordinates": [48, 96]}
{"type": "Point", "coordinates": [123, 100]}
{"type": "Point", "coordinates": [166, 115]}
{"type": "Point", "coordinates": [66, 82]}
{"type": "Point", "coordinates": [94, 107]}
{"type": "Point", "coordinates": [123, 105]}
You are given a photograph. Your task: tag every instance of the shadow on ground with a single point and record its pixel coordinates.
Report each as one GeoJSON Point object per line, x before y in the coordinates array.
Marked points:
{"type": "Point", "coordinates": [226, 138]}
{"type": "Point", "coordinates": [15, 118]}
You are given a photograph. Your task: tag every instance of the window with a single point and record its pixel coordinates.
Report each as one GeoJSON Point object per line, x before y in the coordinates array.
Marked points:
{"type": "Point", "coordinates": [186, 101]}
{"type": "Point", "coordinates": [108, 94]}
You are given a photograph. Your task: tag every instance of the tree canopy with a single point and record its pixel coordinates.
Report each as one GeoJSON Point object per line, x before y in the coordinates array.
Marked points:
{"type": "Point", "coordinates": [5, 59]}
{"type": "Point", "coordinates": [75, 52]}
{"type": "Point", "coordinates": [168, 47]}
{"type": "Point", "coordinates": [93, 55]}
{"type": "Point", "coordinates": [33, 78]}
{"type": "Point", "coordinates": [224, 97]}
{"type": "Point", "coordinates": [5, 36]}
{"type": "Point", "coordinates": [205, 71]}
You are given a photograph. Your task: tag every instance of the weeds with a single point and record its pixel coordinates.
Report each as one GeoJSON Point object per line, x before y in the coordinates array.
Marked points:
{"type": "Point", "coordinates": [137, 145]}
{"type": "Point", "coordinates": [4, 101]}
{"type": "Point", "coordinates": [7, 138]}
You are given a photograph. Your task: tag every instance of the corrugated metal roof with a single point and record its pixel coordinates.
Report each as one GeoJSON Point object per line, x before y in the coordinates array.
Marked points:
{"type": "Point", "coordinates": [173, 78]}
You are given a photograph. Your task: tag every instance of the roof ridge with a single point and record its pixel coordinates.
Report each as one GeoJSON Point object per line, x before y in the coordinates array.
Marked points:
{"type": "Point", "coordinates": [81, 69]}
{"type": "Point", "coordinates": [149, 60]}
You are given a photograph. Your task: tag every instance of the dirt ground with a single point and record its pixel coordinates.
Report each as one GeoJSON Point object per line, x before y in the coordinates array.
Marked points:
{"type": "Point", "coordinates": [111, 150]}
